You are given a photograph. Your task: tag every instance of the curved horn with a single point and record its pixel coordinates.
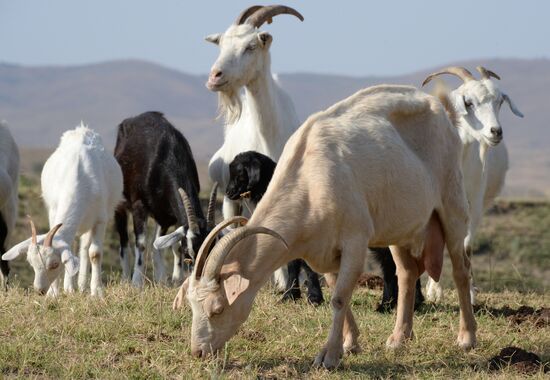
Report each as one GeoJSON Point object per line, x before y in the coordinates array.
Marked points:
{"type": "Point", "coordinates": [267, 13]}
{"type": "Point", "coordinates": [211, 213]}
{"type": "Point", "coordinates": [191, 216]}
{"type": "Point", "coordinates": [50, 235]}
{"type": "Point", "coordinates": [221, 250]}
{"type": "Point", "coordinates": [460, 72]}
{"type": "Point", "coordinates": [33, 230]}
{"type": "Point", "coordinates": [207, 243]}
{"type": "Point", "coordinates": [486, 74]}
{"type": "Point", "coordinates": [247, 13]}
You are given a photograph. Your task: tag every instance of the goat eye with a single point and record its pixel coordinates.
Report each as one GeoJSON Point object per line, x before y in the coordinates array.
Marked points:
{"type": "Point", "coordinates": [467, 103]}
{"type": "Point", "coordinates": [250, 47]}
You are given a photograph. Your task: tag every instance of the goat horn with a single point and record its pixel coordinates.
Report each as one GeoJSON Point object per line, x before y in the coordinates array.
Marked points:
{"type": "Point", "coordinates": [267, 13]}
{"type": "Point", "coordinates": [211, 213]}
{"type": "Point", "coordinates": [33, 230]}
{"type": "Point", "coordinates": [191, 216]}
{"type": "Point", "coordinates": [486, 74]}
{"type": "Point", "coordinates": [207, 243]}
{"type": "Point", "coordinates": [460, 72]}
{"type": "Point", "coordinates": [214, 265]}
{"type": "Point", "coordinates": [50, 235]}
{"type": "Point", "coordinates": [247, 13]}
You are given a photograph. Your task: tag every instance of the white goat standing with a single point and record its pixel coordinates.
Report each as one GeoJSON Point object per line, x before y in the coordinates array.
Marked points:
{"type": "Point", "coordinates": [81, 185]}
{"type": "Point", "coordinates": [263, 118]}
{"type": "Point", "coordinates": [484, 158]}
{"type": "Point", "coordinates": [9, 179]}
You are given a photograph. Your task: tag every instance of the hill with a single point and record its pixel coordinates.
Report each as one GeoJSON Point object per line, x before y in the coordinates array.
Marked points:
{"type": "Point", "coordinates": [41, 102]}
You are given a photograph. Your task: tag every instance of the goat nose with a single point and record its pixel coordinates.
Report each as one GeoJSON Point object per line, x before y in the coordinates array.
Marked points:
{"type": "Point", "coordinates": [496, 131]}
{"type": "Point", "coordinates": [216, 74]}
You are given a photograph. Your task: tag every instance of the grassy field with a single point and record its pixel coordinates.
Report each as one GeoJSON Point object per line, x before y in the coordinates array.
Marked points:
{"type": "Point", "coordinates": [135, 334]}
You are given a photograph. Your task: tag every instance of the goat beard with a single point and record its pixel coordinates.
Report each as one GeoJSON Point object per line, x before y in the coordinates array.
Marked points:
{"type": "Point", "coordinates": [229, 106]}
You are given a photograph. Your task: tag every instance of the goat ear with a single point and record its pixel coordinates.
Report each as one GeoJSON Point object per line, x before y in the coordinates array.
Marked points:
{"type": "Point", "coordinates": [458, 104]}
{"type": "Point", "coordinates": [265, 38]}
{"type": "Point", "coordinates": [20, 248]}
{"type": "Point", "coordinates": [180, 297]}
{"type": "Point", "coordinates": [512, 106]}
{"type": "Point", "coordinates": [234, 286]}
{"type": "Point", "coordinates": [169, 240]}
{"type": "Point", "coordinates": [214, 38]}
{"type": "Point", "coordinates": [70, 261]}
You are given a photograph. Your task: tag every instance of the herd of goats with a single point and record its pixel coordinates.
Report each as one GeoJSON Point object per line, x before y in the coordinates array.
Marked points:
{"type": "Point", "coordinates": [389, 166]}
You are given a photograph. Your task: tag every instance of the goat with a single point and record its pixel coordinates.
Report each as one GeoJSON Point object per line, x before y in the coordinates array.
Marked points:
{"type": "Point", "coordinates": [9, 179]}
{"type": "Point", "coordinates": [476, 104]}
{"type": "Point", "coordinates": [396, 159]}
{"type": "Point", "coordinates": [81, 186]}
{"type": "Point", "coordinates": [250, 173]}
{"type": "Point", "coordinates": [263, 117]}
{"type": "Point", "coordinates": [156, 161]}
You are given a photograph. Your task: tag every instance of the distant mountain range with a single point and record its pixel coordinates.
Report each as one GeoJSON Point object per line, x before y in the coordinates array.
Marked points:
{"type": "Point", "coordinates": [41, 102]}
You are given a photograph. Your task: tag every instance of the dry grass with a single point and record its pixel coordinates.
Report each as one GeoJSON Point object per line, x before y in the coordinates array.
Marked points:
{"type": "Point", "coordinates": [132, 334]}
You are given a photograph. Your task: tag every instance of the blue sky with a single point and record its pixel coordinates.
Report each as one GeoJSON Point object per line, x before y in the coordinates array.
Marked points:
{"type": "Point", "coordinates": [344, 37]}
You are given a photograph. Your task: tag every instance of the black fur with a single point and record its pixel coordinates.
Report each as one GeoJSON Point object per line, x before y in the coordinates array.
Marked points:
{"type": "Point", "coordinates": [389, 296]}
{"type": "Point", "coordinates": [156, 160]}
{"type": "Point", "coordinates": [4, 266]}
{"type": "Point", "coordinates": [252, 171]}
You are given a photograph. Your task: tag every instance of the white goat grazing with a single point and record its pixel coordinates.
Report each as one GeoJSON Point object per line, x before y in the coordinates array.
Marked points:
{"type": "Point", "coordinates": [476, 104]}
{"type": "Point", "coordinates": [81, 185]}
{"type": "Point", "coordinates": [263, 118]}
{"type": "Point", "coordinates": [9, 178]}
{"type": "Point", "coordinates": [381, 168]}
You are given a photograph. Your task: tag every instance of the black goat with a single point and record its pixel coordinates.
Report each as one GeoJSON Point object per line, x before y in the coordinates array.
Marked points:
{"type": "Point", "coordinates": [156, 161]}
{"type": "Point", "coordinates": [249, 176]}
{"type": "Point", "coordinates": [389, 296]}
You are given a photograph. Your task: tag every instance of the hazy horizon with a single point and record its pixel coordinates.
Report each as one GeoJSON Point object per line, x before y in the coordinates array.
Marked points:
{"type": "Point", "coordinates": [354, 39]}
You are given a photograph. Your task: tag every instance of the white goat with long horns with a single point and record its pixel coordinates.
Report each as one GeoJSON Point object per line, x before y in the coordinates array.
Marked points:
{"type": "Point", "coordinates": [476, 104]}
{"type": "Point", "coordinates": [263, 117]}
{"type": "Point", "coordinates": [259, 114]}
{"type": "Point", "coordinates": [81, 185]}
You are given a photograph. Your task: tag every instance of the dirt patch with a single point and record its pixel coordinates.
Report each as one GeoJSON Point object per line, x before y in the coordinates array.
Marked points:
{"type": "Point", "coordinates": [539, 317]}
{"type": "Point", "coordinates": [371, 281]}
{"type": "Point", "coordinates": [519, 359]}
{"type": "Point", "coordinates": [253, 335]}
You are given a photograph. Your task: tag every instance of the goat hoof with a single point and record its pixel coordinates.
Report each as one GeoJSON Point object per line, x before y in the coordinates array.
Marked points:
{"type": "Point", "coordinates": [466, 340]}
{"type": "Point", "coordinates": [352, 348]}
{"type": "Point", "coordinates": [315, 300]}
{"type": "Point", "coordinates": [326, 359]}
{"type": "Point", "coordinates": [396, 340]}
{"type": "Point", "coordinates": [292, 295]}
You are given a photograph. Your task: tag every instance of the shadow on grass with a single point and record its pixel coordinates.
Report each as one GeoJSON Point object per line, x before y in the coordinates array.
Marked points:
{"type": "Point", "coordinates": [277, 366]}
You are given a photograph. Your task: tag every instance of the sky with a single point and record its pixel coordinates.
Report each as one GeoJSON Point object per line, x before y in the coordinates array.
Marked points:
{"type": "Point", "coordinates": [358, 38]}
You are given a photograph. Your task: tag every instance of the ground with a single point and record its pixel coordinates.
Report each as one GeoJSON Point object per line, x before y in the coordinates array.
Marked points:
{"type": "Point", "coordinates": [135, 334]}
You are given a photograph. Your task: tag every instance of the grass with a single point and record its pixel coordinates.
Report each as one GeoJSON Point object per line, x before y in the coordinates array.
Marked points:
{"type": "Point", "coordinates": [135, 334]}
{"type": "Point", "coordinates": [132, 334]}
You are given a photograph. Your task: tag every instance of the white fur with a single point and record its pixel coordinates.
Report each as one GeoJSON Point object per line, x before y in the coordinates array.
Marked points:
{"type": "Point", "coordinates": [484, 159]}
{"type": "Point", "coordinates": [260, 118]}
{"type": "Point", "coordinates": [9, 179]}
{"type": "Point", "coordinates": [81, 185]}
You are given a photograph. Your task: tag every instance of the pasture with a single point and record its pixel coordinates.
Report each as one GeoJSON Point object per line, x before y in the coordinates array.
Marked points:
{"type": "Point", "coordinates": [135, 334]}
